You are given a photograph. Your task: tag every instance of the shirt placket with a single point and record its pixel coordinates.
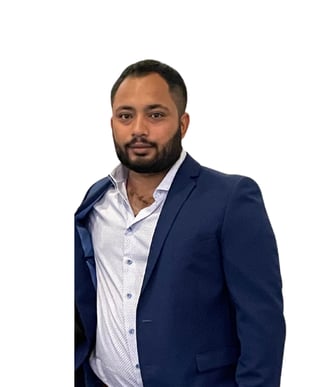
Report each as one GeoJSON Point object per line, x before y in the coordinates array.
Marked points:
{"type": "Point", "coordinates": [130, 298]}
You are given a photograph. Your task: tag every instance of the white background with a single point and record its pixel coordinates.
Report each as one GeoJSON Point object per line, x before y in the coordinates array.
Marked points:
{"type": "Point", "coordinates": [256, 72]}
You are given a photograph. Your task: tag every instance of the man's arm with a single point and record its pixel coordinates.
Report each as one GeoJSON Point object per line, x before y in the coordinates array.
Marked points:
{"type": "Point", "coordinates": [252, 272]}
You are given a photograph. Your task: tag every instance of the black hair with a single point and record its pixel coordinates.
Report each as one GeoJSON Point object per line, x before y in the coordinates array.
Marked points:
{"type": "Point", "coordinates": [145, 67]}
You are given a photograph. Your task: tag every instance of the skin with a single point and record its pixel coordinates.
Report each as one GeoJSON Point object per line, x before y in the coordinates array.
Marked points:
{"type": "Point", "coordinates": [146, 117]}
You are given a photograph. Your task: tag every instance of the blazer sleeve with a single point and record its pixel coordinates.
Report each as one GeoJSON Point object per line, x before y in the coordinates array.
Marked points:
{"type": "Point", "coordinates": [251, 265]}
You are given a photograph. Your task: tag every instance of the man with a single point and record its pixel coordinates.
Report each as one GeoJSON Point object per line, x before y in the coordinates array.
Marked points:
{"type": "Point", "coordinates": [177, 273]}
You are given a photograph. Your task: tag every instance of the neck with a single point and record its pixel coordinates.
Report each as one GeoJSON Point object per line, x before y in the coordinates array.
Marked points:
{"type": "Point", "coordinates": [144, 182]}
{"type": "Point", "coordinates": [140, 189]}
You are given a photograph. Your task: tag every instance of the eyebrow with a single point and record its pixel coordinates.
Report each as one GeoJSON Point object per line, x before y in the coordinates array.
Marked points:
{"type": "Point", "coordinates": [147, 108]}
{"type": "Point", "coordinates": [124, 107]}
{"type": "Point", "coordinates": [156, 106]}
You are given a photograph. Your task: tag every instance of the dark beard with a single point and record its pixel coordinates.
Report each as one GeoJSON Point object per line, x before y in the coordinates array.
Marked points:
{"type": "Point", "coordinates": [161, 162]}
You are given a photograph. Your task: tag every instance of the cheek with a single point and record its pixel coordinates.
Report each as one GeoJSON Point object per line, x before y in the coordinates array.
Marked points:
{"type": "Point", "coordinates": [164, 134]}
{"type": "Point", "coordinates": [119, 135]}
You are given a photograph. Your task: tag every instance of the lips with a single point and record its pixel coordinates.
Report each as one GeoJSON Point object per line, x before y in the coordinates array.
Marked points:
{"type": "Point", "coordinates": [140, 145]}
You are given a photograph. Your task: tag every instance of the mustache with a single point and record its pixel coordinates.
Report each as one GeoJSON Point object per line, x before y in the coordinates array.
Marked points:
{"type": "Point", "coordinates": [139, 139]}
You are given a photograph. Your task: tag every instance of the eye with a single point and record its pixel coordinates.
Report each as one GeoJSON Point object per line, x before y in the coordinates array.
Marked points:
{"type": "Point", "coordinates": [124, 116]}
{"type": "Point", "coordinates": [156, 115]}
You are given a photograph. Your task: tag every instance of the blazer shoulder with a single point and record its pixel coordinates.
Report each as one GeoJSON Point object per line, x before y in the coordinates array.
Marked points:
{"type": "Point", "coordinates": [222, 179]}
{"type": "Point", "coordinates": [231, 184]}
{"type": "Point", "coordinates": [195, 169]}
{"type": "Point", "coordinates": [212, 179]}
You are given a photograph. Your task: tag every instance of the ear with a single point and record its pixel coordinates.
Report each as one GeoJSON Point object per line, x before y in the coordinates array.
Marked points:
{"type": "Point", "coordinates": [184, 123]}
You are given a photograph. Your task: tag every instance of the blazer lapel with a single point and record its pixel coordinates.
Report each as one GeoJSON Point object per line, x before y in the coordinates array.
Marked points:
{"type": "Point", "coordinates": [182, 186]}
{"type": "Point", "coordinates": [92, 196]}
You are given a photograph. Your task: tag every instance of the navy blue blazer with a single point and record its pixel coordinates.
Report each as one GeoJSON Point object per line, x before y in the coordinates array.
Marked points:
{"type": "Point", "coordinates": [210, 313]}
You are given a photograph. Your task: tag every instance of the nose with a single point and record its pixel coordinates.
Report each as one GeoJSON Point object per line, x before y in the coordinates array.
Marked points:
{"type": "Point", "coordinates": [139, 127]}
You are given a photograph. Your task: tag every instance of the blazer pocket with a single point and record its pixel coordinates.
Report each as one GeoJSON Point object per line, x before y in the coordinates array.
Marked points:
{"type": "Point", "coordinates": [215, 359]}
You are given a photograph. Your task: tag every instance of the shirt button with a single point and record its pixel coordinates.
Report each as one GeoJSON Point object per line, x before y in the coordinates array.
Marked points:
{"type": "Point", "coordinates": [129, 295]}
{"type": "Point", "coordinates": [137, 366]}
{"type": "Point", "coordinates": [131, 331]}
{"type": "Point", "coordinates": [129, 262]}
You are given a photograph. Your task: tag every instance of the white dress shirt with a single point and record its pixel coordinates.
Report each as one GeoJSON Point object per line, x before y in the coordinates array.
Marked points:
{"type": "Point", "coordinates": [121, 244]}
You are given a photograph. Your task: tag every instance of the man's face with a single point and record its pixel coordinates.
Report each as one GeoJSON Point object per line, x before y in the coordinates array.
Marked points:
{"type": "Point", "coordinates": [147, 130]}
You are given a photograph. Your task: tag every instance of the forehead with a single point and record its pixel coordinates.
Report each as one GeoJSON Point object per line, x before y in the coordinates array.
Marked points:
{"type": "Point", "coordinates": [151, 88]}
